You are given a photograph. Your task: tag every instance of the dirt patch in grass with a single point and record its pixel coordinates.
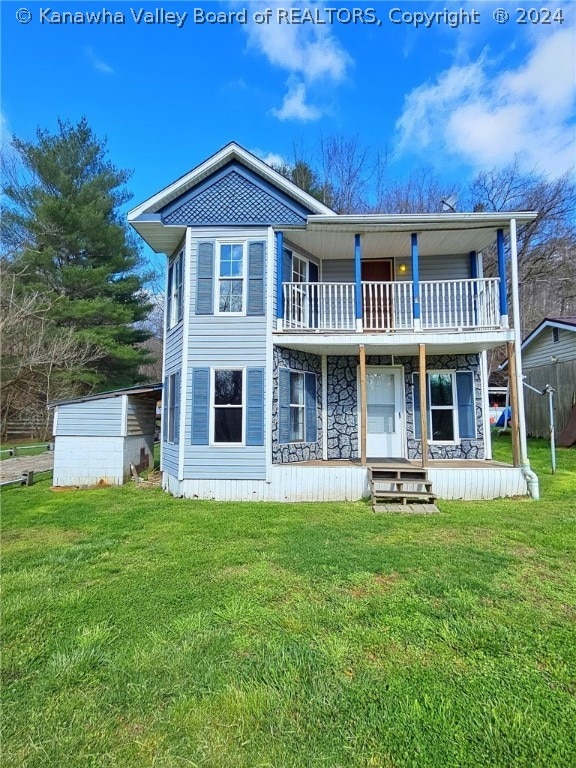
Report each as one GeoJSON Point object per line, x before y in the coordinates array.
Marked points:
{"type": "Point", "coordinates": [375, 584]}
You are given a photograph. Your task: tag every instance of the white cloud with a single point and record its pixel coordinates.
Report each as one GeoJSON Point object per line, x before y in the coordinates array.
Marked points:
{"type": "Point", "coordinates": [486, 117]}
{"type": "Point", "coordinates": [97, 63]}
{"type": "Point", "coordinates": [294, 106]}
{"type": "Point", "coordinates": [308, 52]}
{"type": "Point", "coordinates": [270, 158]}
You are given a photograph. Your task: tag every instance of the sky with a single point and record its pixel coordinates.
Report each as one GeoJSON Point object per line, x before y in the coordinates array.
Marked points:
{"type": "Point", "coordinates": [455, 87]}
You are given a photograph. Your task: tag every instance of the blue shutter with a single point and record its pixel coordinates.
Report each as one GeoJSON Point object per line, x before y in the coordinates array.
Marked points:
{"type": "Point", "coordinates": [416, 400]}
{"type": "Point", "coordinates": [205, 279]}
{"type": "Point", "coordinates": [312, 272]}
{"type": "Point", "coordinates": [283, 405]}
{"type": "Point", "coordinates": [466, 410]}
{"type": "Point", "coordinates": [165, 396]}
{"type": "Point", "coordinates": [313, 308]}
{"type": "Point", "coordinates": [255, 406]}
{"type": "Point", "coordinates": [287, 265]}
{"type": "Point", "coordinates": [200, 406]}
{"type": "Point", "coordinates": [180, 278]}
{"type": "Point", "coordinates": [177, 377]}
{"type": "Point", "coordinates": [169, 295]}
{"type": "Point", "coordinates": [311, 409]}
{"type": "Point", "coordinates": [256, 254]}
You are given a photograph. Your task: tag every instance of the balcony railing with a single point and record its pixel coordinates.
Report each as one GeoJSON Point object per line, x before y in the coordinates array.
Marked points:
{"type": "Point", "coordinates": [444, 305]}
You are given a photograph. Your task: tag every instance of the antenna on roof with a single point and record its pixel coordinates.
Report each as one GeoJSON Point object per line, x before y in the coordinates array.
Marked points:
{"type": "Point", "coordinates": [449, 204]}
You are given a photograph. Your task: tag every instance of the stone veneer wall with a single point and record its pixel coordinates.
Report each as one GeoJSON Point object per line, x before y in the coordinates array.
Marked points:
{"type": "Point", "coordinates": [284, 453]}
{"type": "Point", "coordinates": [465, 449]}
{"type": "Point", "coordinates": [343, 406]}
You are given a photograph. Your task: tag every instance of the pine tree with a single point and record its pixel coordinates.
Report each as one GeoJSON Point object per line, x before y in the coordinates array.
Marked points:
{"type": "Point", "coordinates": [66, 237]}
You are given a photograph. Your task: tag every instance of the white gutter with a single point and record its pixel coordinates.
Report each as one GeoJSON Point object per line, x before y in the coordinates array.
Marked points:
{"type": "Point", "coordinates": [531, 477]}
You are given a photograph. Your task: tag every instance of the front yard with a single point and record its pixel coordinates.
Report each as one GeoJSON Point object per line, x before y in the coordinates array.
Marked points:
{"type": "Point", "coordinates": [142, 630]}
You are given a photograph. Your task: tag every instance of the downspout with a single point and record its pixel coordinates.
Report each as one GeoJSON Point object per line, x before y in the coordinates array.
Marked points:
{"type": "Point", "coordinates": [530, 476]}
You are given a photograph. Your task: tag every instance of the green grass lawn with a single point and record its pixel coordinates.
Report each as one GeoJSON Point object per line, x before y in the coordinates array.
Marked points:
{"type": "Point", "coordinates": [142, 630]}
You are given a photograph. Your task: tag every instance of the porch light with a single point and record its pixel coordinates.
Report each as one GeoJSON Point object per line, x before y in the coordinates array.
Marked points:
{"type": "Point", "coordinates": [402, 268]}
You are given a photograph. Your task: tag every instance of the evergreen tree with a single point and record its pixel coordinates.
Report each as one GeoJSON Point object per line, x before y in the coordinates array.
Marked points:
{"type": "Point", "coordinates": [65, 236]}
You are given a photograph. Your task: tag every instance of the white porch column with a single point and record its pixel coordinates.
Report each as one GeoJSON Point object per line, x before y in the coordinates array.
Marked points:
{"type": "Point", "coordinates": [523, 445]}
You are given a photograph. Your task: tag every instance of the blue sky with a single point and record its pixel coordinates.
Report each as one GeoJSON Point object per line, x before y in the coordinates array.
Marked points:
{"type": "Point", "coordinates": [456, 99]}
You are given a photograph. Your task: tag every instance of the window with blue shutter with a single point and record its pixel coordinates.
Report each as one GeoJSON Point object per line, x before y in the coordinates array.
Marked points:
{"type": "Point", "coordinates": [447, 392]}
{"type": "Point", "coordinates": [297, 406]}
{"type": "Point", "coordinates": [200, 406]}
{"type": "Point", "coordinates": [256, 269]}
{"type": "Point", "coordinates": [255, 406]}
{"type": "Point", "coordinates": [205, 279]}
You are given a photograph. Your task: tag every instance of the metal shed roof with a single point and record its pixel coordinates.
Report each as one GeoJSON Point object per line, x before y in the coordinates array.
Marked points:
{"type": "Point", "coordinates": [141, 389]}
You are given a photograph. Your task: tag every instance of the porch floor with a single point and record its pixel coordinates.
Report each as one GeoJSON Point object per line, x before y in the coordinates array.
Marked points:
{"type": "Point", "coordinates": [392, 463]}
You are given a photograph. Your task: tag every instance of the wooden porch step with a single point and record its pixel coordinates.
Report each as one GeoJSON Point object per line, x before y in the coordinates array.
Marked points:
{"type": "Point", "coordinates": [403, 495]}
{"type": "Point", "coordinates": [414, 508]}
{"type": "Point", "coordinates": [405, 486]}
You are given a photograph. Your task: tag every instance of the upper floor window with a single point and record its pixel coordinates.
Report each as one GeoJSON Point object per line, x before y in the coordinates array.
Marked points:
{"type": "Point", "coordinates": [175, 290]}
{"type": "Point", "coordinates": [299, 269]}
{"type": "Point", "coordinates": [555, 335]}
{"type": "Point", "coordinates": [230, 271]}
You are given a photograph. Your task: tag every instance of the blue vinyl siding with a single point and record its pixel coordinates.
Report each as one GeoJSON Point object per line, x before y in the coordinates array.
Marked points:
{"type": "Point", "coordinates": [95, 418]}
{"type": "Point", "coordinates": [218, 341]}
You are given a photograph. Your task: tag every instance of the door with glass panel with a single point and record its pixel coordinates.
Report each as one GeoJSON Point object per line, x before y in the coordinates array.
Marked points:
{"type": "Point", "coordinates": [385, 412]}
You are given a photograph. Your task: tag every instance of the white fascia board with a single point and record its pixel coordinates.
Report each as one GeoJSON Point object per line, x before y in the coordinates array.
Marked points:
{"type": "Point", "coordinates": [418, 220]}
{"type": "Point", "coordinates": [228, 153]}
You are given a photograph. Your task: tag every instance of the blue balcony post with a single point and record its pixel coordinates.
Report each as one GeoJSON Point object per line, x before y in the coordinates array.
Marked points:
{"type": "Point", "coordinates": [279, 279]}
{"type": "Point", "coordinates": [358, 282]}
{"type": "Point", "coordinates": [415, 283]}
{"type": "Point", "coordinates": [502, 276]}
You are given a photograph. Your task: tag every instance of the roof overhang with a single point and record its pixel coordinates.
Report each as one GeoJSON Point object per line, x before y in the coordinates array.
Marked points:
{"type": "Point", "coordinates": [548, 322]}
{"type": "Point", "coordinates": [142, 390]}
{"type": "Point", "coordinates": [395, 344]}
{"type": "Point", "coordinates": [388, 235]}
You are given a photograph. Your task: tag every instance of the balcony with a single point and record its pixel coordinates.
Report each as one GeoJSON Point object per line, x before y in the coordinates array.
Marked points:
{"type": "Point", "coordinates": [445, 305]}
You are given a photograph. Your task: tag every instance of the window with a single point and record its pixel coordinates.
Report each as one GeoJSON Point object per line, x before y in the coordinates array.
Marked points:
{"type": "Point", "coordinates": [450, 406]}
{"type": "Point", "coordinates": [228, 422]}
{"type": "Point", "coordinates": [297, 405]}
{"type": "Point", "coordinates": [231, 278]}
{"type": "Point", "coordinates": [555, 335]}
{"type": "Point", "coordinates": [175, 291]}
{"type": "Point", "coordinates": [298, 408]}
{"type": "Point", "coordinates": [172, 413]}
{"type": "Point", "coordinates": [299, 269]}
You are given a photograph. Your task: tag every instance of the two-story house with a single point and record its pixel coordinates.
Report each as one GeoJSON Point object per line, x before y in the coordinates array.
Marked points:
{"type": "Point", "coordinates": [304, 349]}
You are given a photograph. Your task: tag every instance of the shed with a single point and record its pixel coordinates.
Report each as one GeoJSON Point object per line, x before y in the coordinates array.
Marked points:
{"type": "Point", "coordinates": [98, 437]}
{"type": "Point", "coordinates": [549, 357]}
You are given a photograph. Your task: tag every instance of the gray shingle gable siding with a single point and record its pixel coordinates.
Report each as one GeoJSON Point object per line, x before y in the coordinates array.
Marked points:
{"type": "Point", "coordinates": [234, 196]}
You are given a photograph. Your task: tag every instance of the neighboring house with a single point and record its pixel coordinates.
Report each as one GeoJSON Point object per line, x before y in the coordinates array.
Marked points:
{"type": "Point", "coordinates": [296, 339]}
{"type": "Point", "coordinates": [549, 358]}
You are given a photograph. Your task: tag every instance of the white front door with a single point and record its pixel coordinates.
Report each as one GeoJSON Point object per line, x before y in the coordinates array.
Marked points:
{"type": "Point", "coordinates": [385, 412]}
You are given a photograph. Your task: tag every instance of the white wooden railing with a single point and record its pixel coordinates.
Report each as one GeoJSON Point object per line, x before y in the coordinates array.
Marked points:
{"type": "Point", "coordinates": [319, 306]}
{"type": "Point", "coordinates": [388, 306]}
{"type": "Point", "coordinates": [459, 303]}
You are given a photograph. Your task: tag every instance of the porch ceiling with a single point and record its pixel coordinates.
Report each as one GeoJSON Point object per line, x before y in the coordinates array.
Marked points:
{"type": "Point", "coordinates": [406, 344]}
{"type": "Point", "coordinates": [383, 236]}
